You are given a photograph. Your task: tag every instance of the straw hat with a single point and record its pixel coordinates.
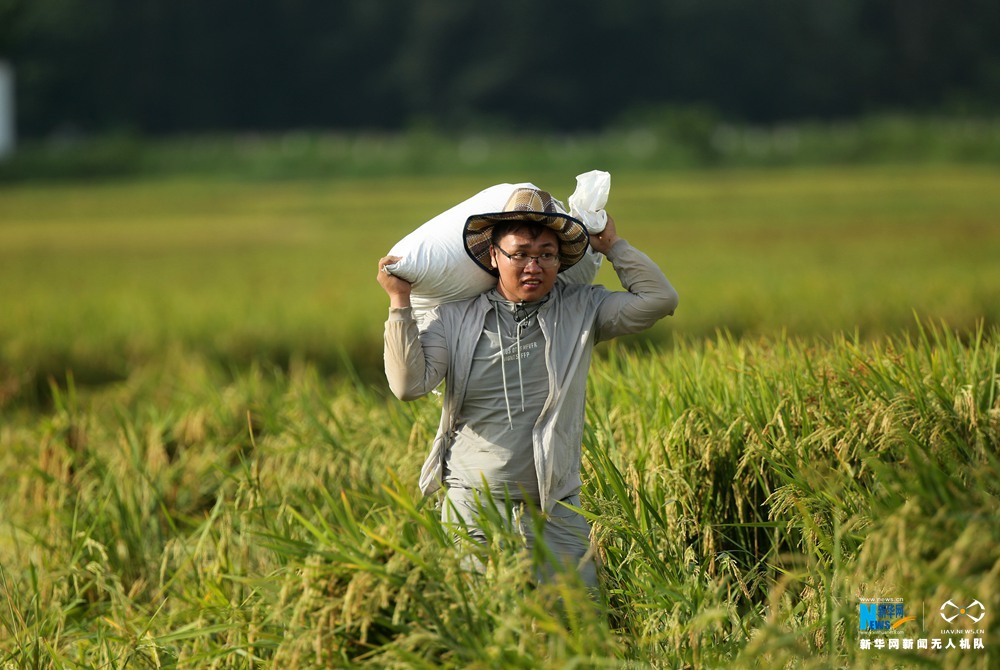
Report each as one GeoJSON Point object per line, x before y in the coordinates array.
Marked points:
{"type": "Point", "coordinates": [531, 206]}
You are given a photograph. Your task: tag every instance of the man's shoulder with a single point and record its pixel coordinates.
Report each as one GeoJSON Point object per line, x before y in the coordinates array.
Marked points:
{"type": "Point", "coordinates": [576, 291]}
{"type": "Point", "coordinates": [576, 298]}
{"type": "Point", "coordinates": [459, 309]}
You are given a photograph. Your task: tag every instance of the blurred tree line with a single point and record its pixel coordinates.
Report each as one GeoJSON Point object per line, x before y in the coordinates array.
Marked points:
{"type": "Point", "coordinates": [172, 66]}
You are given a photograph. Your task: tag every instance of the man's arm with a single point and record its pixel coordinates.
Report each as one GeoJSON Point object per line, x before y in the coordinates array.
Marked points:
{"type": "Point", "coordinates": [648, 297]}
{"type": "Point", "coordinates": [415, 362]}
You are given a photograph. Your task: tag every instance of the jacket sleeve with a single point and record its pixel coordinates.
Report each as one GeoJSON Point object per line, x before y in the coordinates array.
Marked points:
{"type": "Point", "coordinates": [648, 297]}
{"type": "Point", "coordinates": [415, 361]}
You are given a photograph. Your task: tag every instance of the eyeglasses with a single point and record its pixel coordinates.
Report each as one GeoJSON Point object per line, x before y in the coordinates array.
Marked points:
{"type": "Point", "coordinates": [519, 259]}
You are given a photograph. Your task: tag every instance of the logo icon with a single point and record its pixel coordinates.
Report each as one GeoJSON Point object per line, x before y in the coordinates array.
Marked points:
{"type": "Point", "coordinates": [882, 616]}
{"type": "Point", "coordinates": [975, 611]}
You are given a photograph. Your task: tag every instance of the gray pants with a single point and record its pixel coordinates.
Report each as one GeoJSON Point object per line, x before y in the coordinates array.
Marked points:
{"type": "Point", "coordinates": [565, 533]}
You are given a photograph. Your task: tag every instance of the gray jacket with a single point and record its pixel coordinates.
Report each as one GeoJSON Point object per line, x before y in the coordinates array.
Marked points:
{"type": "Point", "coordinates": [575, 318]}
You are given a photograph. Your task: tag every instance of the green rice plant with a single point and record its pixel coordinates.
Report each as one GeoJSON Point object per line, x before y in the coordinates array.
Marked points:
{"type": "Point", "coordinates": [773, 478]}
{"type": "Point", "coordinates": [745, 494]}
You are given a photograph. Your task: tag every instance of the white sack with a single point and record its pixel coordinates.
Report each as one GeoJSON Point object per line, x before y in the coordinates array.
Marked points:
{"type": "Point", "coordinates": [434, 260]}
{"type": "Point", "coordinates": [589, 199]}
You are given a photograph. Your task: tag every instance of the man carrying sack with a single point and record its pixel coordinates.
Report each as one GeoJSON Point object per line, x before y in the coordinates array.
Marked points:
{"type": "Point", "coordinates": [515, 361]}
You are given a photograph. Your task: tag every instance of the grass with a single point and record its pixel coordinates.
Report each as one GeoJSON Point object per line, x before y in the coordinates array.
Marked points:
{"type": "Point", "coordinates": [202, 467]}
{"type": "Point", "coordinates": [744, 496]}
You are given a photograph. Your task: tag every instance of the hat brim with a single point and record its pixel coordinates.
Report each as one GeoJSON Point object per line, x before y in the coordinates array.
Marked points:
{"type": "Point", "coordinates": [572, 234]}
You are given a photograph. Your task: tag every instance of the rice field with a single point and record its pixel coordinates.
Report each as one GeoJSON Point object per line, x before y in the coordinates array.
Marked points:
{"type": "Point", "coordinates": [203, 468]}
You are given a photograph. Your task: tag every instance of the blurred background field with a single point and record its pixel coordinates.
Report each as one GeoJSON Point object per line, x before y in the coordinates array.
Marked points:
{"type": "Point", "coordinates": [216, 179]}
{"type": "Point", "coordinates": [99, 277]}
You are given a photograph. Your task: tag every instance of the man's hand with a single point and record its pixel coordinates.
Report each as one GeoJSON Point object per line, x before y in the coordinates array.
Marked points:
{"type": "Point", "coordinates": [397, 289]}
{"type": "Point", "coordinates": [603, 241]}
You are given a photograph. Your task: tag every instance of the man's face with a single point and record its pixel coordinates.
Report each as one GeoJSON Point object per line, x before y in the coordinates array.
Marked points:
{"type": "Point", "coordinates": [531, 282]}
